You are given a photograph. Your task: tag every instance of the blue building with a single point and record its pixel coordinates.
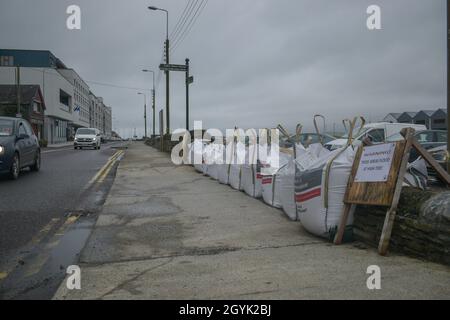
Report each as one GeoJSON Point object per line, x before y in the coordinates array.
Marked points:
{"type": "Point", "coordinates": [30, 59]}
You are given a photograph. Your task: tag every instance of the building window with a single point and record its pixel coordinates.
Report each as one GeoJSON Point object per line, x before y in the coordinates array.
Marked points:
{"type": "Point", "coordinates": [6, 61]}
{"type": "Point", "coordinates": [439, 121]}
{"type": "Point", "coordinates": [64, 100]}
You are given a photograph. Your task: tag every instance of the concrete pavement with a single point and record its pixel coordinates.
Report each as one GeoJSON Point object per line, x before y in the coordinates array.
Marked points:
{"type": "Point", "coordinates": [167, 232]}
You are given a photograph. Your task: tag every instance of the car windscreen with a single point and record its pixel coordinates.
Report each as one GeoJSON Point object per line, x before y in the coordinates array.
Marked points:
{"type": "Point", "coordinates": [395, 137]}
{"type": "Point", "coordinates": [6, 128]}
{"type": "Point", "coordinates": [357, 132]}
{"type": "Point", "coordinates": [86, 132]}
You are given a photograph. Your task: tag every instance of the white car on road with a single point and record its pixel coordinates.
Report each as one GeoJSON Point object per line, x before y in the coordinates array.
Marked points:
{"type": "Point", "coordinates": [87, 138]}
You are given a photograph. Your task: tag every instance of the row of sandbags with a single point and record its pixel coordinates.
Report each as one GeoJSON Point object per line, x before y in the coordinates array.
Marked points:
{"type": "Point", "coordinates": [309, 184]}
{"type": "Point", "coordinates": [308, 187]}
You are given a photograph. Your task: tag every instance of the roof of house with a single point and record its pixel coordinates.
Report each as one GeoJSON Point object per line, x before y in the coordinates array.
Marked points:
{"type": "Point", "coordinates": [440, 110]}
{"type": "Point", "coordinates": [394, 115]}
{"type": "Point", "coordinates": [8, 94]}
{"type": "Point", "coordinates": [427, 112]}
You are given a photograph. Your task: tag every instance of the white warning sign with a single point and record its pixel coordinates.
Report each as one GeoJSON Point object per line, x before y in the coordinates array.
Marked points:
{"type": "Point", "coordinates": [375, 163]}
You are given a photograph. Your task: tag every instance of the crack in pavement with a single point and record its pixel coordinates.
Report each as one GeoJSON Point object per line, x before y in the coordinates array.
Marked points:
{"type": "Point", "coordinates": [200, 253]}
{"type": "Point", "coordinates": [123, 284]}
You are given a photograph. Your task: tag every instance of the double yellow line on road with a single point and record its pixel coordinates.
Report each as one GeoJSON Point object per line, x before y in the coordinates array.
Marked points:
{"type": "Point", "coordinates": [44, 232]}
{"type": "Point", "coordinates": [104, 171]}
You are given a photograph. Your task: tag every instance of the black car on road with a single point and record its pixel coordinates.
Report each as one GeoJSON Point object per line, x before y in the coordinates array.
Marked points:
{"type": "Point", "coordinates": [19, 147]}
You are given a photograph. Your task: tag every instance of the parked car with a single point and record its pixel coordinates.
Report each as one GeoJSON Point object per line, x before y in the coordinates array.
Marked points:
{"type": "Point", "coordinates": [441, 156]}
{"type": "Point", "coordinates": [307, 139]}
{"type": "Point", "coordinates": [87, 138]}
{"type": "Point", "coordinates": [429, 139]}
{"type": "Point", "coordinates": [19, 147]}
{"type": "Point", "coordinates": [375, 132]}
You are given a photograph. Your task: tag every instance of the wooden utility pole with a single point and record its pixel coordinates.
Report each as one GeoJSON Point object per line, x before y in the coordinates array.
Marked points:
{"type": "Point", "coordinates": [18, 114]}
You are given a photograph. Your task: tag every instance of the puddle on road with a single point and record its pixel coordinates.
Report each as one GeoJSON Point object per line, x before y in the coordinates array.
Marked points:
{"type": "Point", "coordinates": [39, 275]}
{"type": "Point", "coordinates": [41, 271]}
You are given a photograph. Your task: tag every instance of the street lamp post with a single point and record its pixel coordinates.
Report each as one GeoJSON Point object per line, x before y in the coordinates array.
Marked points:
{"type": "Point", "coordinates": [153, 100]}
{"type": "Point", "coordinates": [145, 113]}
{"type": "Point", "coordinates": [167, 72]}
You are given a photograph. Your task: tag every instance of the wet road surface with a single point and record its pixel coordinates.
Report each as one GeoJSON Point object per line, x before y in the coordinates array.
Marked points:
{"type": "Point", "coordinates": [46, 218]}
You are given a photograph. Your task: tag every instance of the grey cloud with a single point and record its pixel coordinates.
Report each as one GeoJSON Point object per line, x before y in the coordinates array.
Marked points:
{"type": "Point", "coordinates": [256, 62]}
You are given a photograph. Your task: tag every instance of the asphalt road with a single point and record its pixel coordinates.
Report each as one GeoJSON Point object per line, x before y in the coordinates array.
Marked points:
{"type": "Point", "coordinates": [48, 200]}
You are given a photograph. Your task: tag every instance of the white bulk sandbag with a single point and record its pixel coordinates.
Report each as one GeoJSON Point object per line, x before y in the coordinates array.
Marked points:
{"type": "Point", "coordinates": [235, 176]}
{"type": "Point", "coordinates": [190, 151]}
{"type": "Point", "coordinates": [235, 169]}
{"type": "Point", "coordinates": [319, 205]}
{"type": "Point", "coordinates": [197, 156]}
{"type": "Point", "coordinates": [287, 177]}
{"type": "Point", "coordinates": [217, 158]}
{"type": "Point", "coordinates": [208, 156]}
{"type": "Point", "coordinates": [251, 180]}
{"type": "Point", "coordinates": [224, 169]}
{"type": "Point", "coordinates": [271, 180]}
{"type": "Point", "coordinates": [251, 174]}
{"type": "Point", "coordinates": [223, 173]}
{"type": "Point", "coordinates": [286, 189]}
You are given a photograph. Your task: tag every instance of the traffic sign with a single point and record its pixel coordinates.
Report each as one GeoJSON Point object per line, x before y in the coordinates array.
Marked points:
{"type": "Point", "coordinates": [173, 67]}
{"type": "Point", "coordinates": [191, 80]}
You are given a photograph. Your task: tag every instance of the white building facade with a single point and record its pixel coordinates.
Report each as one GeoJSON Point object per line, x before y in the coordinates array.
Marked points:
{"type": "Point", "coordinates": [80, 98]}
{"type": "Point", "coordinates": [69, 102]}
{"type": "Point", "coordinates": [58, 95]}
{"type": "Point", "coordinates": [100, 116]}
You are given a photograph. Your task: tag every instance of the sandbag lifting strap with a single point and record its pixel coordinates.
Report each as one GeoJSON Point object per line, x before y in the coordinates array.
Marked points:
{"type": "Point", "coordinates": [251, 165]}
{"type": "Point", "coordinates": [351, 127]}
{"type": "Point", "coordinates": [298, 132]}
{"type": "Point", "coordinates": [232, 152]}
{"type": "Point", "coordinates": [317, 126]}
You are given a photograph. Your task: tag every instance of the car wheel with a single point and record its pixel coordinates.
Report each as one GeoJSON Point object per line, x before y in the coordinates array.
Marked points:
{"type": "Point", "coordinates": [15, 167]}
{"type": "Point", "coordinates": [37, 162]}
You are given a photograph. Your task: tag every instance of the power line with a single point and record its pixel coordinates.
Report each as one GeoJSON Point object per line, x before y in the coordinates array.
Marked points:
{"type": "Point", "coordinates": [92, 82]}
{"type": "Point", "coordinates": [191, 24]}
{"type": "Point", "coordinates": [175, 29]}
{"type": "Point", "coordinates": [116, 86]}
{"type": "Point", "coordinates": [185, 20]}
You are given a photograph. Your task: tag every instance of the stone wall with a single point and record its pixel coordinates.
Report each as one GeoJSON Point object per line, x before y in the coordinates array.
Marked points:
{"type": "Point", "coordinates": [421, 228]}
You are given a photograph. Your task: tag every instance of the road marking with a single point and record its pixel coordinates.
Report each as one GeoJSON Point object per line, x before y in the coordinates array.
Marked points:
{"type": "Point", "coordinates": [37, 239]}
{"type": "Point", "coordinates": [38, 263]}
{"type": "Point", "coordinates": [44, 231]}
{"type": "Point", "coordinates": [105, 169]}
{"type": "Point", "coordinates": [106, 172]}
{"type": "Point", "coordinates": [3, 275]}
{"type": "Point", "coordinates": [70, 220]}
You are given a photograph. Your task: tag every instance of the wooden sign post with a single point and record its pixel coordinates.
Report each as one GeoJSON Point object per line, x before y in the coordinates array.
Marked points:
{"type": "Point", "coordinates": [377, 179]}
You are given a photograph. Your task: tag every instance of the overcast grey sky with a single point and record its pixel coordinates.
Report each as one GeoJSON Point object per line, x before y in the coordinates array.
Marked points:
{"type": "Point", "coordinates": [256, 63]}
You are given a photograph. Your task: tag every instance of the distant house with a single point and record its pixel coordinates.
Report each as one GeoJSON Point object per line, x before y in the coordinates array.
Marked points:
{"type": "Point", "coordinates": [407, 117]}
{"type": "Point", "coordinates": [392, 117]}
{"type": "Point", "coordinates": [424, 117]}
{"type": "Point", "coordinates": [439, 120]}
{"type": "Point", "coordinates": [32, 105]}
